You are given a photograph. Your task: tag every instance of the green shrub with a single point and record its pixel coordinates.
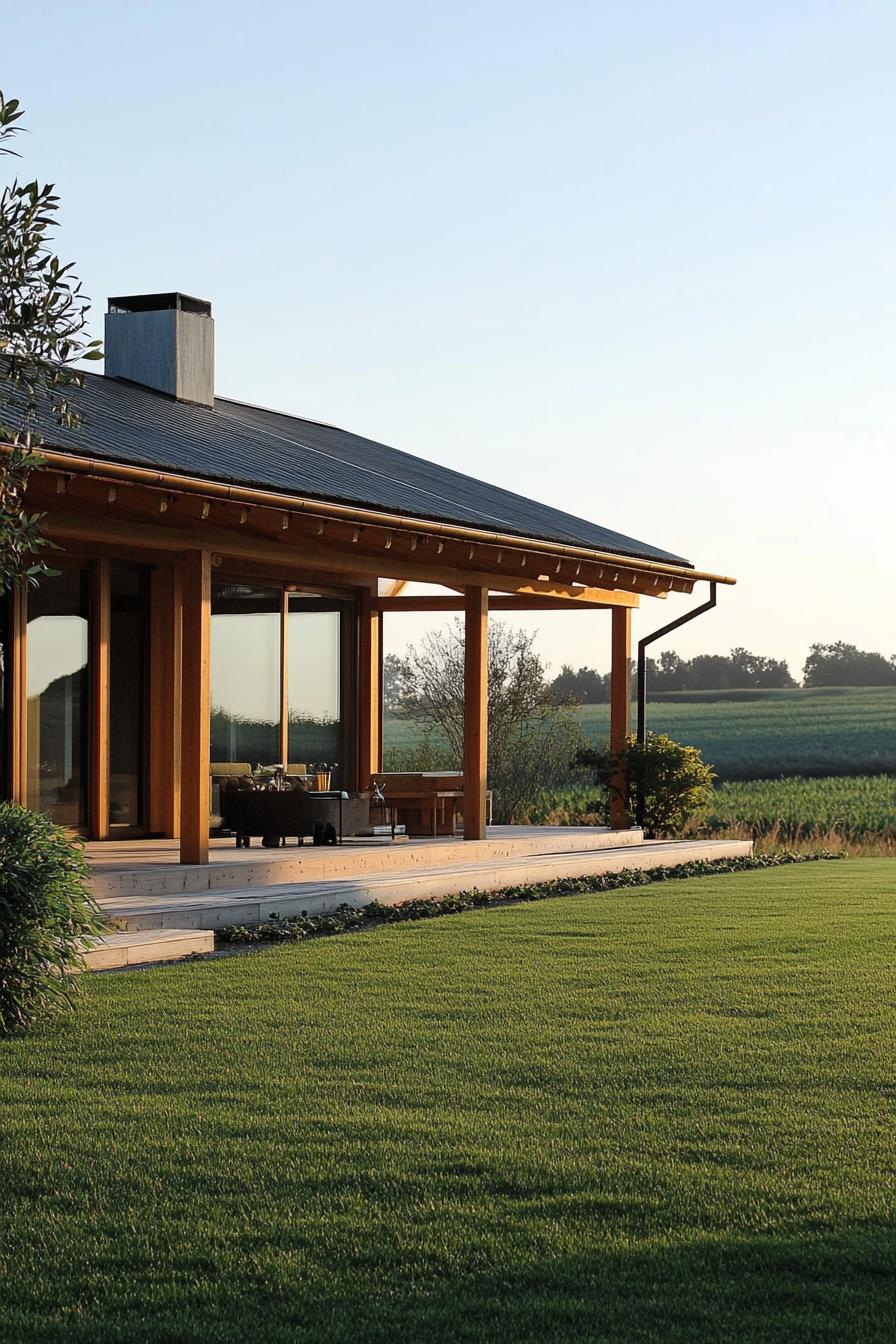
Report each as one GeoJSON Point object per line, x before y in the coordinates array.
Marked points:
{"type": "Point", "coordinates": [670, 781]}
{"type": "Point", "coordinates": [46, 912]}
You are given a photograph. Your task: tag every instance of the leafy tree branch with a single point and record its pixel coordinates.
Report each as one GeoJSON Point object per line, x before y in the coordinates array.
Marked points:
{"type": "Point", "coordinates": [43, 318]}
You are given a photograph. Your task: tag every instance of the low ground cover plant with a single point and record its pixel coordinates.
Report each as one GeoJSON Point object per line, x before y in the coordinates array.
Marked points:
{"type": "Point", "coordinates": [46, 912]}
{"type": "Point", "coordinates": [294, 928]}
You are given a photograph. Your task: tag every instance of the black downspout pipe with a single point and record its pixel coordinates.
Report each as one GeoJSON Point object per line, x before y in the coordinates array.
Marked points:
{"type": "Point", "coordinates": [642, 674]}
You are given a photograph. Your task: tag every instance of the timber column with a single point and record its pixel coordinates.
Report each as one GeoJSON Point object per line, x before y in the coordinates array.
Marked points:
{"type": "Point", "coordinates": [370, 661]}
{"type": "Point", "coordinates": [475, 711]}
{"type": "Point", "coordinates": [195, 706]}
{"type": "Point", "coordinates": [620, 708]}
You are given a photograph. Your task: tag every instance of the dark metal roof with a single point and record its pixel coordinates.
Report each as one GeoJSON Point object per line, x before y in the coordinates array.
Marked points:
{"type": "Point", "coordinates": [250, 446]}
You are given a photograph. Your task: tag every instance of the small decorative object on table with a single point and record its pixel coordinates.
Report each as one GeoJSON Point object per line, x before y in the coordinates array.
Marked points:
{"type": "Point", "coordinates": [323, 775]}
{"type": "Point", "coordinates": [269, 777]}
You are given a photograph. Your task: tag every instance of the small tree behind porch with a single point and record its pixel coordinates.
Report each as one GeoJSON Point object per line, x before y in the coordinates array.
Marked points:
{"type": "Point", "coordinates": [532, 733]}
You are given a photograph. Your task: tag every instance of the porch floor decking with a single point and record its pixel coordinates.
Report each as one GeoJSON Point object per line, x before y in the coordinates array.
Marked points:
{"type": "Point", "coordinates": [132, 853]}
{"type": "Point", "coordinates": [153, 867]}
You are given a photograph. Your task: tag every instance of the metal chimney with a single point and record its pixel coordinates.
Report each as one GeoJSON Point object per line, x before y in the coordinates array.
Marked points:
{"type": "Point", "coordinates": [163, 341]}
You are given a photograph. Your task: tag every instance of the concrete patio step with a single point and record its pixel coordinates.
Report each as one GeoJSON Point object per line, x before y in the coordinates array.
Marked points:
{"type": "Point", "coordinates": [237, 870]}
{"type": "Point", "coordinates": [144, 947]}
{"type": "Point", "coordinates": [250, 905]}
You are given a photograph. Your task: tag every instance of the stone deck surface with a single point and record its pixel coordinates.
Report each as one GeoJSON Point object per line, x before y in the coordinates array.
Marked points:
{"type": "Point", "coordinates": [140, 910]}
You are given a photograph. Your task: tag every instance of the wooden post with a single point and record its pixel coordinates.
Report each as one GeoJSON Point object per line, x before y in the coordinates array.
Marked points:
{"type": "Point", "coordinates": [369, 689]}
{"type": "Point", "coordinates": [620, 703]}
{"type": "Point", "coordinates": [18, 693]}
{"type": "Point", "coordinates": [195, 707]}
{"type": "Point", "coordinates": [284, 678]}
{"type": "Point", "coordinates": [100, 633]}
{"type": "Point", "coordinates": [164, 701]}
{"type": "Point", "coordinates": [475, 711]}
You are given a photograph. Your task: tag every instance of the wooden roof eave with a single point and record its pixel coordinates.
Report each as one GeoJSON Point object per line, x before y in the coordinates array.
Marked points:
{"type": "Point", "coordinates": [649, 577]}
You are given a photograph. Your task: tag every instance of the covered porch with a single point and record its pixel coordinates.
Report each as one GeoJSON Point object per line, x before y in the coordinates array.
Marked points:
{"type": "Point", "coordinates": [206, 624]}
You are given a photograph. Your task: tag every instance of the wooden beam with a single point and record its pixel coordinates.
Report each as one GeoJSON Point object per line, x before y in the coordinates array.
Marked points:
{"type": "Point", "coordinates": [164, 699]}
{"type": "Point", "coordinates": [100, 636]}
{"type": "Point", "coordinates": [309, 553]}
{"type": "Point", "coordinates": [285, 511]}
{"type": "Point", "coordinates": [284, 676]}
{"type": "Point", "coordinates": [620, 708]}
{"type": "Point", "coordinates": [585, 599]}
{"type": "Point", "coordinates": [396, 586]}
{"type": "Point", "coordinates": [475, 711]}
{"type": "Point", "coordinates": [369, 688]}
{"type": "Point", "coordinates": [195, 706]}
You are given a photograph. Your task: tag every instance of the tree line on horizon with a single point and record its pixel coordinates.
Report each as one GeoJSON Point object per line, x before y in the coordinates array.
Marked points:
{"type": "Point", "coordinates": [837, 664]}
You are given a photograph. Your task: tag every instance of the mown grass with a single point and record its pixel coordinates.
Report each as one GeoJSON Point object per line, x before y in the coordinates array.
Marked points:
{"type": "Point", "coordinates": [660, 1115]}
{"type": "Point", "coordinates": [756, 735]}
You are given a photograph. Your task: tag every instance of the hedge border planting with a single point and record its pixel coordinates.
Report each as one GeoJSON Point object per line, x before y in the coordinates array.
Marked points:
{"type": "Point", "coordinates": [346, 918]}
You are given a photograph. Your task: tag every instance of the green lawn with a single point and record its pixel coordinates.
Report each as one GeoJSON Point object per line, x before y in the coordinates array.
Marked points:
{"type": "Point", "coordinates": [664, 1114]}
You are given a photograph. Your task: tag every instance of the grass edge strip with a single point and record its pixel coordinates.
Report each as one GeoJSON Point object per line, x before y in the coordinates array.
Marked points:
{"type": "Point", "coordinates": [346, 918]}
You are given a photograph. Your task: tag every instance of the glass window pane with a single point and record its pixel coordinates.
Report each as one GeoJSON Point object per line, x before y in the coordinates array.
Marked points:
{"type": "Point", "coordinates": [314, 690]}
{"type": "Point", "coordinates": [245, 674]}
{"type": "Point", "coordinates": [127, 693]}
{"type": "Point", "coordinates": [5, 617]}
{"type": "Point", "coordinates": [57, 697]}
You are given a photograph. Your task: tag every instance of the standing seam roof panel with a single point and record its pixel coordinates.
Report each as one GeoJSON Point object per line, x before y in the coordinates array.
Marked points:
{"type": "Point", "coordinates": [252, 446]}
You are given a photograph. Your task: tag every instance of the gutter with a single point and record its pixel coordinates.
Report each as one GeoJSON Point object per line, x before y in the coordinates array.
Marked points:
{"type": "Point", "coordinates": [174, 482]}
{"type": "Point", "coordinates": [641, 734]}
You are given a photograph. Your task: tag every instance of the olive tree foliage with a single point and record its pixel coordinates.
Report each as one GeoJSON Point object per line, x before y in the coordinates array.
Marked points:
{"type": "Point", "coordinates": [43, 317]}
{"type": "Point", "coordinates": [532, 734]}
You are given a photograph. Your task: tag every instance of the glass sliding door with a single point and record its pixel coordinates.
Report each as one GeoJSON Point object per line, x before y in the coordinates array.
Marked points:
{"type": "Point", "coordinates": [58, 697]}
{"type": "Point", "coordinates": [315, 683]}
{"type": "Point", "coordinates": [9, 769]}
{"type": "Point", "coordinates": [245, 676]}
{"type": "Point", "coordinates": [5, 759]}
{"type": "Point", "coordinates": [128, 626]}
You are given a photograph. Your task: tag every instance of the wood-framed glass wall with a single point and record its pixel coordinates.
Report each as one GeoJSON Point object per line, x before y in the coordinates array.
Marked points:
{"type": "Point", "coordinates": [57, 740]}
{"type": "Point", "coordinates": [282, 686]}
{"type": "Point", "coordinates": [6, 764]}
{"type": "Point", "coordinates": [90, 688]}
{"type": "Point", "coordinates": [75, 703]}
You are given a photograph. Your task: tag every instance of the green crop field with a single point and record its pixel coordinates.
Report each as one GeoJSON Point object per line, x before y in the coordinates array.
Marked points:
{"type": "Point", "coordinates": [859, 810]}
{"type": "Point", "coordinates": [760, 734]}
{"type": "Point", "coordinates": [857, 807]}
{"type": "Point", "coordinates": [656, 1116]}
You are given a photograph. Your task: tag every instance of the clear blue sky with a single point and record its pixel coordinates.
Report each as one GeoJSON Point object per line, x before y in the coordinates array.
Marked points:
{"type": "Point", "coordinates": [634, 259]}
